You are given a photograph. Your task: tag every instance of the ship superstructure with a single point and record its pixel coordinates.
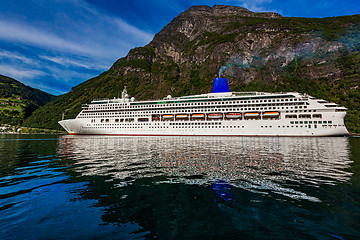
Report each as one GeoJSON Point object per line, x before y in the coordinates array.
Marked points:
{"type": "Point", "coordinates": [220, 113]}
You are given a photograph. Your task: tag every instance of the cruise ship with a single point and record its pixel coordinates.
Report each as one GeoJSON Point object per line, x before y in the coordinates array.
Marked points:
{"type": "Point", "coordinates": [220, 113]}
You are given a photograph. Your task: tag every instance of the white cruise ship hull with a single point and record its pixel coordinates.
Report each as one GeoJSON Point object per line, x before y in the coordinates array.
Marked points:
{"type": "Point", "coordinates": [205, 128]}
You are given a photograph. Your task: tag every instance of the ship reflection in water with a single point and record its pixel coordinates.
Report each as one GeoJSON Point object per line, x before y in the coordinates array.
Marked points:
{"type": "Point", "coordinates": [277, 166]}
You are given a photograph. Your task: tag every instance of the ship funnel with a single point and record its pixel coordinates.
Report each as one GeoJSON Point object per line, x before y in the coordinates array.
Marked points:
{"type": "Point", "coordinates": [220, 85]}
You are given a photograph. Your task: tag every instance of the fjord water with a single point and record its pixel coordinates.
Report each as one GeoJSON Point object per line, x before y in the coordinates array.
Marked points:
{"type": "Point", "coordinates": [97, 187]}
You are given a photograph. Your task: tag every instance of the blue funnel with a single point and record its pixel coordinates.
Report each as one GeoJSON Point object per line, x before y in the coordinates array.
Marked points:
{"type": "Point", "coordinates": [220, 85]}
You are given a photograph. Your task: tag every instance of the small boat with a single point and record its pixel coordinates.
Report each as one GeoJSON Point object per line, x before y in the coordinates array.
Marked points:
{"type": "Point", "coordinates": [198, 115]}
{"type": "Point", "coordinates": [233, 115]}
{"type": "Point", "coordinates": [214, 115]}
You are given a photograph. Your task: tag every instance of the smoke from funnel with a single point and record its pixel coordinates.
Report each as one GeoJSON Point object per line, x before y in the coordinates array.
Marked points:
{"type": "Point", "coordinates": [236, 61]}
{"type": "Point", "coordinates": [221, 70]}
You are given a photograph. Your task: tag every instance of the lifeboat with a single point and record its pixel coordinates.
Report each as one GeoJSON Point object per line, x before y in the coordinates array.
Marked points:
{"type": "Point", "coordinates": [143, 120]}
{"type": "Point", "coordinates": [271, 114]}
{"type": "Point", "coordinates": [214, 115]}
{"type": "Point", "coordinates": [233, 115]}
{"type": "Point", "coordinates": [168, 116]}
{"type": "Point", "coordinates": [198, 115]}
{"type": "Point", "coordinates": [252, 115]}
{"type": "Point", "coordinates": [155, 117]}
{"type": "Point", "coordinates": [182, 116]}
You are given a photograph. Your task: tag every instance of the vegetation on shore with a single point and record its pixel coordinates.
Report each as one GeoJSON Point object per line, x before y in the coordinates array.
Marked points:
{"type": "Point", "coordinates": [14, 129]}
{"type": "Point", "coordinates": [18, 101]}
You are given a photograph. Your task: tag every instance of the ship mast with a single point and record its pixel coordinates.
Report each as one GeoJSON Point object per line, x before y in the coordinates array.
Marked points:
{"type": "Point", "coordinates": [124, 94]}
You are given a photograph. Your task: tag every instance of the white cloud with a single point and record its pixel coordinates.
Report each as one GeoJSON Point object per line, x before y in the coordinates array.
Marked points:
{"type": "Point", "coordinates": [83, 63]}
{"type": "Point", "coordinates": [20, 73]}
{"type": "Point", "coordinates": [132, 30]}
{"type": "Point", "coordinates": [24, 33]}
{"type": "Point", "coordinates": [85, 31]}
{"type": "Point", "coordinates": [254, 5]}
{"type": "Point", "coordinates": [33, 77]}
{"type": "Point", "coordinates": [16, 56]}
{"type": "Point", "coordinates": [67, 75]}
{"type": "Point", "coordinates": [53, 38]}
{"type": "Point", "coordinates": [47, 88]}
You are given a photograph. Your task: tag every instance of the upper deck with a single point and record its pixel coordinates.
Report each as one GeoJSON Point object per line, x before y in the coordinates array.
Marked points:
{"type": "Point", "coordinates": [221, 97]}
{"type": "Point", "coordinates": [210, 97]}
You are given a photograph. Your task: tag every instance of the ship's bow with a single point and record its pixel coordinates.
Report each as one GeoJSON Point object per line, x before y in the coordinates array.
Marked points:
{"type": "Point", "coordinates": [71, 126]}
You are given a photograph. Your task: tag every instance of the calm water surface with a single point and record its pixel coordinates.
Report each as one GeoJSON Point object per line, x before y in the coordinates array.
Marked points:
{"type": "Point", "coordinates": [64, 187]}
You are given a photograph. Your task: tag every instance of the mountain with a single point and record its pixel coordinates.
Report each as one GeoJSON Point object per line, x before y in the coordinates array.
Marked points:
{"type": "Point", "coordinates": [18, 101]}
{"type": "Point", "coordinates": [255, 51]}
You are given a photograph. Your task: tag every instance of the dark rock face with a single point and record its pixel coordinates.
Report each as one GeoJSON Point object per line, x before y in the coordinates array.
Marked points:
{"type": "Point", "coordinates": [256, 51]}
{"type": "Point", "coordinates": [243, 40]}
{"type": "Point", "coordinates": [222, 10]}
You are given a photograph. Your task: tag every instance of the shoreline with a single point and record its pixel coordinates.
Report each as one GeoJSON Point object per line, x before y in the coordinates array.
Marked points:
{"type": "Point", "coordinates": [65, 133]}
{"type": "Point", "coordinates": [354, 134]}
{"type": "Point", "coordinates": [11, 129]}
{"type": "Point", "coordinates": [9, 133]}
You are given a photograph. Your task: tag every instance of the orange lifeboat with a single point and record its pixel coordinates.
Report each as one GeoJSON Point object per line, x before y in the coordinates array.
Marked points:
{"type": "Point", "coordinates": [168, 116]}
{"type": "Point", "coordinates": [181, 116]}
{"type": "Point", "coordinates": [214, 115]}
{"type": "Point", "coordinates": [252, 115]}
{"type": "Point", "coordinates": [271, 114]}
{"type": "Point", "coordinates": [155, 117]}
{"type": "Point", "coordinates": [198, 115]}
{"type": "Point", "coordinates": [233, 115]}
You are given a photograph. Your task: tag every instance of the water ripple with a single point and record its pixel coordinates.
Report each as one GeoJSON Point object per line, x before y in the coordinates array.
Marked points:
{"type": "Point", "coordinates": [253, 164]}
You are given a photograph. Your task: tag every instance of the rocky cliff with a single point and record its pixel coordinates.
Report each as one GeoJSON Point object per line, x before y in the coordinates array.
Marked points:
{"type": "Point", "coordinates": [255, 51]}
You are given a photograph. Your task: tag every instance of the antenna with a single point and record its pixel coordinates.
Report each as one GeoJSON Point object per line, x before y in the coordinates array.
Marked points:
{"type": "Point", "coordinates": [124, 93]}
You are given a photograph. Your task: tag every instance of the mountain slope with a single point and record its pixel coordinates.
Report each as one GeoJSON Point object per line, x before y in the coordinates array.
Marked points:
{"type": "Point", "coordinates": [255, 51]}
{"type": "Point", "coordinates": [18, 101]}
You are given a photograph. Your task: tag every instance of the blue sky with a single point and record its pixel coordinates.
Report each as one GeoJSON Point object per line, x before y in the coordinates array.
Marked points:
{"type": "Point", "coordinates": [54, 45]}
